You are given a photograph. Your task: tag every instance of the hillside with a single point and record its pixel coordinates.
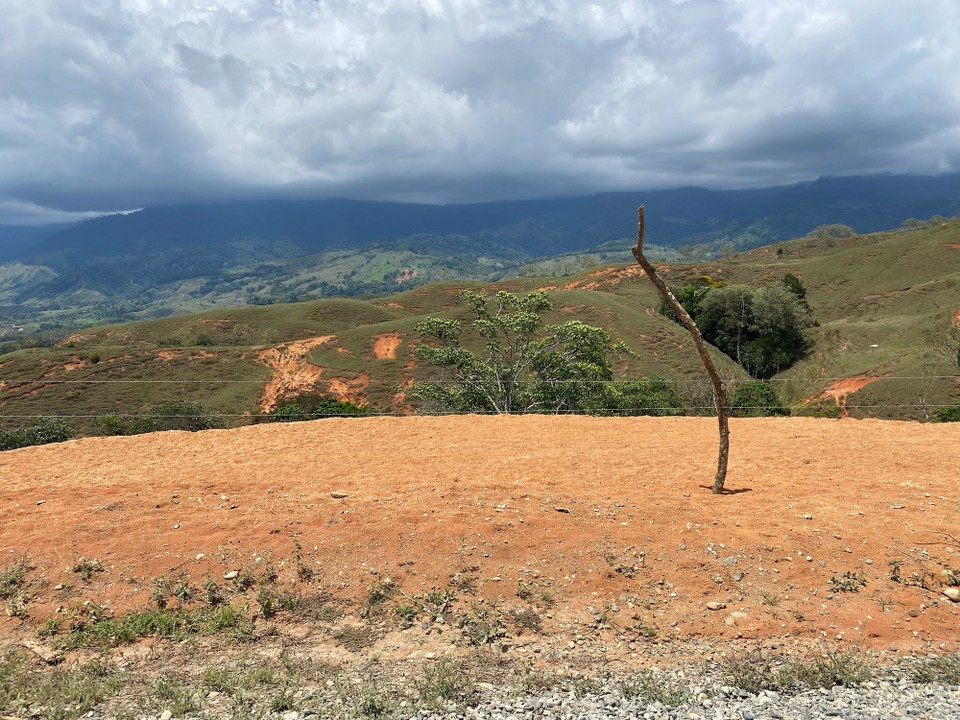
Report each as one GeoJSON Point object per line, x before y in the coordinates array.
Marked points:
{"type": "Point", "coordinates": [877, 300]}
{"type": "Point", "coordinates": [178, 259]}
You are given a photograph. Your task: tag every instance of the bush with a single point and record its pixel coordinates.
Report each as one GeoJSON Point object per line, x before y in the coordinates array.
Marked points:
{"type": "Point", "coordinates": [756, 399]}
{"type": "Point", "coordinates": [311, 406]}
{"type": "Point", "coordinates": [948, 414]}
{"type": "Point", "coordinates": [41, 432]}
{"type": "Point", "coordinates": [173, 415]}
{"type": "Point", "coordinates": [645, 396]}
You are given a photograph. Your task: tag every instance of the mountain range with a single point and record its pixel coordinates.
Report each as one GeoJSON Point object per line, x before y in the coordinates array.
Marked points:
{"type": "Point", "coordinates": [164, 260]}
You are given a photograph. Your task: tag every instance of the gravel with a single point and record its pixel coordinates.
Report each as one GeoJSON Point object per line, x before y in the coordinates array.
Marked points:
{"type": "Point", "coordinates": [890, 695]}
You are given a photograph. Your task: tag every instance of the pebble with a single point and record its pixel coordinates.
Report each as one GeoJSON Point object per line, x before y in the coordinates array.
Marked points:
{"type": "Point", "coordinates": [716, 605]}
{"type": "Point", "coordinates": [952, 594]}
{"type": "Point", "coordinates": [232, 575]}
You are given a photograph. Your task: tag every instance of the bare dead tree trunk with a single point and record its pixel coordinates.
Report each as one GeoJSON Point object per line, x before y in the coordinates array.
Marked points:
{"type": "Point", "coordinates": [719, 391]}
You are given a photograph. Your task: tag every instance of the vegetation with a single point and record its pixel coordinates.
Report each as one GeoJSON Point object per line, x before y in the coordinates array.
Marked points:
{"type": "Point", "coordinates": [41, 432]}
{"type": "Point", "coordinates": [172, 415]}
{"type": "Point", "coordinates": [311, 406]}
{"type": "Point", "coordinates": [762, 329]}
{"type": "Point", "coordinates": [523, 367]}
{"type": "Point", "coordinates": [757, 671]}
{"type": "Point", "coordinates": [756, 399]}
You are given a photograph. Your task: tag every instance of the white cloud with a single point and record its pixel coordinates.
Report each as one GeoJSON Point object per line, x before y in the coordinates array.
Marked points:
{"type": "Point", "coordinates": [109, 104]}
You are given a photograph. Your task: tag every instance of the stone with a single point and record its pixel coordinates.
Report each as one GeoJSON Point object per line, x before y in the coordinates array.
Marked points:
{"type": "Point", "coordinates": [952, 594]}
{"type": "Point", "coordinates": [165, 715]}
{"type": "Point", "coordinates": [337, 495]}
{"type": "Point", "coordinates": [716, 605]}
{"type": "Point", "coordinates": [232, 575]}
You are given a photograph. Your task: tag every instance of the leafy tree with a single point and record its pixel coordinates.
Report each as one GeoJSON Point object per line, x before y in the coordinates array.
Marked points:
{"type": "Point", "coordinates": [795, 285]}
{"type": "Point", "coordinates": [762, 329]}
{"type": "Point", "coordinates": [756, 399]}
{"type": "Point", "coordinates": [524, 366]}
{"type": "Point", "coordinates": [834, 231]}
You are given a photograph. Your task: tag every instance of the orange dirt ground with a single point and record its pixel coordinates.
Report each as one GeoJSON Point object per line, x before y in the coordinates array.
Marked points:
{"type": "Point", "coordinates": [609, 515]}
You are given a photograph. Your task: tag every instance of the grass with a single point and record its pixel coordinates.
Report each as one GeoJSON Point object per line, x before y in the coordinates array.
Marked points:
{"type": "Point", "coordinates": [57, 694]}
{"type": "Point", "coordinates": [443, 682]}
{"type": "Point", "coordinates": [651, 687]}
{"type": "Point", "coordinates": [887, 289]}
{"type": "Point", "coordinates": [943, 670]}
{"type": "Point", "coordinates": [757, 671]}
{"type": "Point", "coordinates": [173, 624]}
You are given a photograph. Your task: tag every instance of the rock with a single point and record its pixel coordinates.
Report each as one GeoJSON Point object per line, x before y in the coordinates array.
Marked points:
{"type": "Point", "coordinates": [337, 495]}
{"type": "Point", "coordinates": [232, 575]}
{"type": "Point", "coordinates": [562, 509]}
{"type": "Point", "coordinates": [716, 605]}
{"type": "Point", "coordinates": [952, 594]}
{"type": "Point", "coordinates": [48, 655]}
{"type": "Point", "coordinates": [730, 560]}
{"type": "Point", "coordinates": [165, 715]}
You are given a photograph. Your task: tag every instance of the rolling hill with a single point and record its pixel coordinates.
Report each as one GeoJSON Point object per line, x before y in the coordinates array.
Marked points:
{"type": "Point", "coordinates": [878, 300]}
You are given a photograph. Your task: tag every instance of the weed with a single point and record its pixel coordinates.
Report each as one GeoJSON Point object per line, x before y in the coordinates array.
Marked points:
{"type": "Point", "coordinates": [304, 571]}
{"type": "Point", "coordinates": [214, 593]}
{"type": "Point", "coordinates": [443, 682]}
{"type": "Point", "coordinates": [847, 582]}
{"type": "Point", "coordinates": [527, 618]}
{"type": "Point", "coordinates": [770, 599]}
{"type": "Point", "coordinates": [482, 625]}
{"type": "Point", "coordinates": [160, 592]}
{"type": "Point", "coordinates": [379, 593]}
{"type": "Point", "coordinates": [86, 569]}
{"type": "Point", "coordinates": [267, 602]}
{"type": "Point", "coordinates": [61, 694]}
{"type": "Point", "coordinates": [373, 704]}
{"type": "Point", "coordinates": [11, 579]}
{"type": "Point", "coordinates": [757, 671]}
{"type": "Point", "coordinates": [650, 688]}
{"type": "Point", "coordinates": [96, 630]}
{"type": "Point", "coordinates": [895, 571]}
{"type": "Point", "coordinates": [176, 694]}
{"type": "Point", "coordinates": [944, 670]}
{"type": "Point", "coordinates": [885, 602]}
{"type": "Point", "coordinates": [355, 638]}
{"type": "Point", "coordinates": [439, 601]}
{"type": "Point", "coordinates": [407, 614]}
{"type": "Point", "coordinates": [584, 685]}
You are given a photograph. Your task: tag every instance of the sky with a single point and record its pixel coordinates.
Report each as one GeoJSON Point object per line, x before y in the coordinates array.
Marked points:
{"type": "Point", "coordinates": [110, 105]}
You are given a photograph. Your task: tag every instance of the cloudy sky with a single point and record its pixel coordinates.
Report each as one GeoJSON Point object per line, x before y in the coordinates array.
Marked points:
{"type": "Point", "coordinates": [115, 104]}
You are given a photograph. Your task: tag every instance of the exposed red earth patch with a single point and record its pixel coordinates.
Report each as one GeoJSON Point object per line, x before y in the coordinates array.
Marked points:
{"type": "Point", "coordinates": [602, 513]}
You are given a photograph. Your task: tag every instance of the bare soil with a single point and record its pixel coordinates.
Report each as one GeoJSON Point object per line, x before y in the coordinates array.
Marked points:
{"type": "Point", "coordinates": [611, 518]}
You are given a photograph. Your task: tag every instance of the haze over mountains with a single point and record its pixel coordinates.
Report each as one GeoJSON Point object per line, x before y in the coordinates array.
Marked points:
{"type": "Point", "coordinates": [172, 259]}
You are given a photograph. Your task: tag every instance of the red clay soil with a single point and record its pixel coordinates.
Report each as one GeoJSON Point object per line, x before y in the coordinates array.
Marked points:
{"type": "Point", "coordinates": [611, 516]}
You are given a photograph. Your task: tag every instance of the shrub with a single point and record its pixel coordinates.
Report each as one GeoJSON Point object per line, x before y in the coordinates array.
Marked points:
{"type": "Point", "coordinates": [948, 414]}
{"type": "Point", "coordinates": [645, 396]}
{"type": "Point", "coordinates": [311, 406]}
{"type": "Point", "coordinates": [173, 415]}
{"type": "Point", "coordinates": [756, 399]}
{"type": "Point", "coordinates": [41, 432]}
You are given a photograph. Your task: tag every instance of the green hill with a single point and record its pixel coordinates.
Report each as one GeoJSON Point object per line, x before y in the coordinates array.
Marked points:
{"type": "Point", "coordinates": [878, 299]}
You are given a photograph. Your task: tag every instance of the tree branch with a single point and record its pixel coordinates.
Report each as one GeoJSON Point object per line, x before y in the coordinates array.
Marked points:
{"type": "Point", "coordinates": [719, 391]}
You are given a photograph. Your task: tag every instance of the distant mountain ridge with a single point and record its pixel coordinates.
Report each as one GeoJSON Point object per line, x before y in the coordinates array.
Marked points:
{"type": "Point", "coordinates": [175, 259]}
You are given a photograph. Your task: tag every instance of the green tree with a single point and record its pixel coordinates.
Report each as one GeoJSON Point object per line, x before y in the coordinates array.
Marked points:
{"type": "Point", "coordinates": [756, 399]}
{"type": "Point", "coordinates": [520, 364]}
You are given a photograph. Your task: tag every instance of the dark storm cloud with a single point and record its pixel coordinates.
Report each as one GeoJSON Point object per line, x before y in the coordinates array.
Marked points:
{"type": "Point", "coordinates": [114, 104]}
